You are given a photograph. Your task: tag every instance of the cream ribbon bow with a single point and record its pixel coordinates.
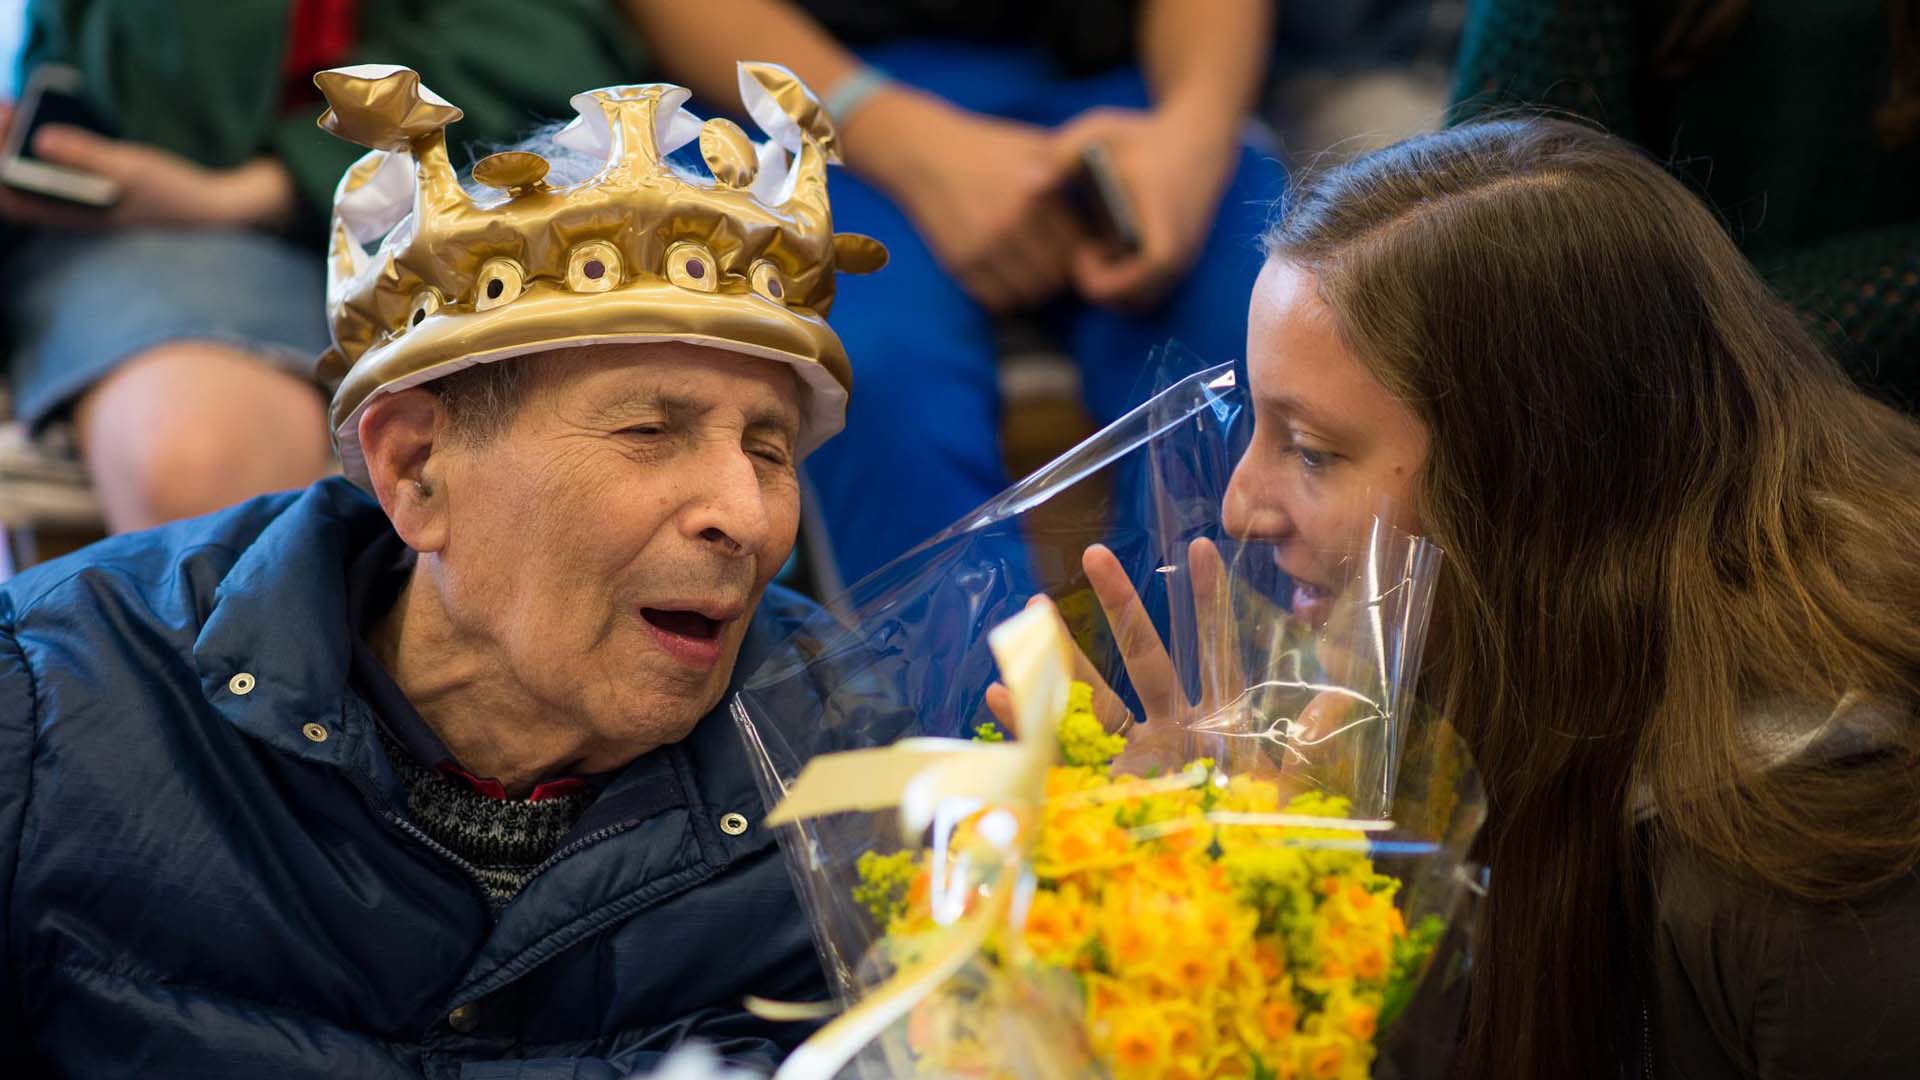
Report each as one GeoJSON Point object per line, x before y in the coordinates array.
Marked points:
{"type": "Point", "coordinates": [935, 783]}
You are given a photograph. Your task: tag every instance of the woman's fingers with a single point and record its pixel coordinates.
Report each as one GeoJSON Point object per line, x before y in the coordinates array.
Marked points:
{"type": "Point", "coordinates": [1326, 714]}
{"type": "Point", "coordinates": [1111, 711]}
{"type": "Point", "coordinates": [1208, 569]}
{"type": "Point", "coordinates": [1107, 706]}
{"type": "Point", "coordinates": [1141, 650]}
{"type": "Point", "coordinates": [1217, 637]}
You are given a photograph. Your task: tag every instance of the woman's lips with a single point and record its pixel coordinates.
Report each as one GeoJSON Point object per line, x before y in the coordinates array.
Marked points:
{"type": "Point", "coordinates": [1312, 603]}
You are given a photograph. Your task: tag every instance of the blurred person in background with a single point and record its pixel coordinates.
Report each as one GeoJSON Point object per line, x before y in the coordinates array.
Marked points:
{"type": "Point", "coordinates": [1799, 123]}
{"type": "Point", "coordinates": [962, 126]}
{"type": "Point", "coordinates": [177, 329]}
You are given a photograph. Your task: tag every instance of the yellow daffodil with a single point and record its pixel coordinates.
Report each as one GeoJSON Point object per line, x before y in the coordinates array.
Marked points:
{"type": "Point", "coordinates": [1202, 948]}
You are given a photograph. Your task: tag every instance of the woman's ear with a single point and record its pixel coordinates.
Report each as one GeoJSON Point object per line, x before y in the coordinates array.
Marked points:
{"type": "Point", "coordinates": [397, 434]}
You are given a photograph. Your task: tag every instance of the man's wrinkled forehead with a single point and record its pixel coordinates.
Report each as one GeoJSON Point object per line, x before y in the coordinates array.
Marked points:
{"type": "Point", "coordinates": [618, 382]}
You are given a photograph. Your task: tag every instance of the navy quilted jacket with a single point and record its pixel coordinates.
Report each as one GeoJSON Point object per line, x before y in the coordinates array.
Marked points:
{"type": "Point", "coordinates": [193, 885]}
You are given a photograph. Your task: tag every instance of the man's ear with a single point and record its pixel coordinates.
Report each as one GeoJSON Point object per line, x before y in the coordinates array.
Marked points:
{"type": "Point", "coordinates": [397, 433]}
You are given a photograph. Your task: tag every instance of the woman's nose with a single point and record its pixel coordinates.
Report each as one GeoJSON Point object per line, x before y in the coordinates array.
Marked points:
{"type": "Point", "coordinates": [1252, 508]}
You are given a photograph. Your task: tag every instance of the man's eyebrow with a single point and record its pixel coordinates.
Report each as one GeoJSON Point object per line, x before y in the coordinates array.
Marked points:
{"type": "Point", "coordinates": [762, 417]}
{"type": "Point", "coordinates": [629, 402]}
{"type": "Point", "coordinates": [772, 418]}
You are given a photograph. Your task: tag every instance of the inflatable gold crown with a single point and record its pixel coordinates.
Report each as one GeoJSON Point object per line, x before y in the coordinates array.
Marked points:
{"type": "Point", "coordinates": [424, 279]}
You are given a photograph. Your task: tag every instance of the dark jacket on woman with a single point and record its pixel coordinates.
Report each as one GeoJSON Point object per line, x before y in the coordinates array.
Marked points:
{"type": "Point", "coordinates": [206, 876]}
{"type": "Point", "coordinates": [1749, 983]}
{"type": "Point", "coordinates": [1745, 981]}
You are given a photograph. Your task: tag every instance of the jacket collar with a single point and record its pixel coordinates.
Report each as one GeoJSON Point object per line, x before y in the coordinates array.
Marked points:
{"type": "Point", "coordinates": [274, 650]}
{"type": "Point", "coordinates": [1785, 731]}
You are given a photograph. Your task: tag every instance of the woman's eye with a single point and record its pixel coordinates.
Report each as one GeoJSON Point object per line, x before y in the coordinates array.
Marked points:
{"type": "Point", "coordinates": [1312, 459]}
{"type": "Point", "coordinates": [772, 455]}
{"type": "Point", "coordinates": [645, 429]}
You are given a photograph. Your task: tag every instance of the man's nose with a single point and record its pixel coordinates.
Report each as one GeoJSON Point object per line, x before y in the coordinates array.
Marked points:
{"type": "Point", "coordinates": [729, 507]}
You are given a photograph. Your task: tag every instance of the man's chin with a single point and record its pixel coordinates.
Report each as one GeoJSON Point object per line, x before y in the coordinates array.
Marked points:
{"type": "Point", "coordinates": [667, 686]}
{"type": "Point", "coordinates": [657, 696]}
{"type": "Point", "coordinates": [647, 721]}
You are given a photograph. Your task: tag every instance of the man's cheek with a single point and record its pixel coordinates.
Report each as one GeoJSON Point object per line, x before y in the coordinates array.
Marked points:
{"type": "Point", "coordinates": [780, 543]}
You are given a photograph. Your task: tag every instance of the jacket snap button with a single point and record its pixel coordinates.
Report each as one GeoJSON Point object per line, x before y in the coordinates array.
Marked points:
{"type": "Point", "coordinates": [241, 684]}
{"type": "Point", "coordinates": [733, 824]}
{"type": "Point", "coordinates": [464, 1019]}
{"type": "Point", "coordinates": [314, 733]}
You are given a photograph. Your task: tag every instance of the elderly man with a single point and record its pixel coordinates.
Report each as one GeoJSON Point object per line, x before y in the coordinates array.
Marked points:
{"type": "Point", "coordinates": [424, 771]}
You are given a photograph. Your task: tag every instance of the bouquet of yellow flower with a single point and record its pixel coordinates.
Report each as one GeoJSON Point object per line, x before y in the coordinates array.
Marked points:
{"type": "Point", "coordinates": [1234, 854]}
{"type": "Point", "coordinates": [1211, 929]}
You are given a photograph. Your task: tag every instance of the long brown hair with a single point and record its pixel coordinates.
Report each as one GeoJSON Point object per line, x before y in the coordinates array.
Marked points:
{"type": "Point", "coordinates": [1662, 506]}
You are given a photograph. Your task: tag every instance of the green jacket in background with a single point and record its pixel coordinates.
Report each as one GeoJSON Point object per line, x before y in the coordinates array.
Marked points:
{"type": "Point", "coordinates": [1774, 129]}
{"type": "Point", "coordinates": [203, 78]}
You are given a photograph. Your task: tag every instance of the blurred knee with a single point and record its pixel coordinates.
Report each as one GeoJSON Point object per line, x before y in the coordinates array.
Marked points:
{"type": "Point", "coordinates": [178, 473]}
{"type": "Point", "coordinates": [187, 428]}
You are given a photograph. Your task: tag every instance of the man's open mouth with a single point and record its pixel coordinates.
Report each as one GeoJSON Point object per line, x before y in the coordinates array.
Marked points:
{"type": "Point", "coordinates": [691, 637]}
{"type": "Point", "coordinates": [689, 624]}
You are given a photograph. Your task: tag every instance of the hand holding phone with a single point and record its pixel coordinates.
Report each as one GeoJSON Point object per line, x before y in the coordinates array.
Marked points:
{"type": "Point", "coordinates": [52, 96]}
{"type": "Point", "coordinates": [1166, 176]}
{"type": "Point", "coordinates": [1102, 203]}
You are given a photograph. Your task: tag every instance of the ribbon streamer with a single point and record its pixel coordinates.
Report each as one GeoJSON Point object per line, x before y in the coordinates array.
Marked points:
{"type": "Point", "coordinates": [921, 777]}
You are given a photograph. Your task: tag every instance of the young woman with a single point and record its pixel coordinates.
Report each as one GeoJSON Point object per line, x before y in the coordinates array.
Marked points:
{"type": "Point", "coordinates": [1679, 619]}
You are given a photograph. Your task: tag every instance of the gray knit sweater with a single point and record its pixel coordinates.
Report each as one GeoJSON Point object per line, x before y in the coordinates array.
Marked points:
{"type": "Point", "coordinates": [504, 842]}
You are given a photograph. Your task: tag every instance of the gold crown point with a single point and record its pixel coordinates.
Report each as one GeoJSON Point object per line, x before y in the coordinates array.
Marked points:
{"type": "Point", "coordinates": [782, 88]}
{"type": "Point", "coordinates": [729, 153]}
{"type": "Point", "coordinates": [858, 253]}
{"type": "Point", "coordinates": [382, 107]}
{"type": "Point", "coordinates": [332, 365]}
{"type": "Point", "coordinates": [514, 171]}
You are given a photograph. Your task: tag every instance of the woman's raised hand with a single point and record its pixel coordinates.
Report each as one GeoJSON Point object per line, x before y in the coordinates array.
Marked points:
{"type": "Point", "coordinates": [1162, 737]}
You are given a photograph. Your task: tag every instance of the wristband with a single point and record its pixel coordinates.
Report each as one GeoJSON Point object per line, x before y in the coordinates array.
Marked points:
{"type": "Point", "coordinates": [853, 92]}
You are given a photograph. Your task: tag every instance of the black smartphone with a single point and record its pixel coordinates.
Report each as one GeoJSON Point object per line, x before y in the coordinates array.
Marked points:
{"type": "Point", "coordinates": [1101, 201]}
{"type": "Point", "coordinates": [52, 96]}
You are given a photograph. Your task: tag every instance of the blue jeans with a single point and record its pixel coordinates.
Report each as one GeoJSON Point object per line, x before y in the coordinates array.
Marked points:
{"type": "Point", "coordinates": [922, 446]}
{"type": "Point", "coordinates": [79, 305]}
